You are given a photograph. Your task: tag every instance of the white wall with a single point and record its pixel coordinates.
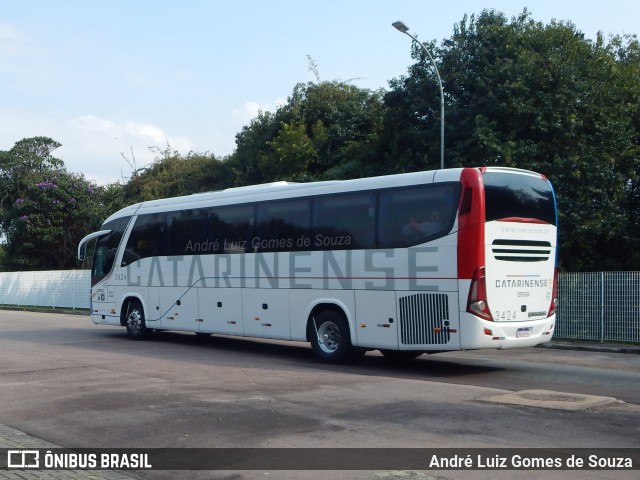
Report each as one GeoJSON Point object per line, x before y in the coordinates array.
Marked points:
{"type": "Point", "coordinates": [55, 288]}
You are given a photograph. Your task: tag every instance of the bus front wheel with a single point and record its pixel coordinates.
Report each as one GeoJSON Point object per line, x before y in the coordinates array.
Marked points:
{"type": "Point", "coordinates": [330, 338]}
{"type": "Point", "coordinates": [134, 321]}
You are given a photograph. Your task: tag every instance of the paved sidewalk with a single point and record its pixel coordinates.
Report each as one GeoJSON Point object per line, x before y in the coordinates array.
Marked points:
{"type": "Point", "coordinates": [15, 439]}
{"type": "Point", "coordinates": [593, 346]}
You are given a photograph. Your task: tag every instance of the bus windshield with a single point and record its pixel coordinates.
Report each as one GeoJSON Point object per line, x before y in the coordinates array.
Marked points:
{"type": "Point", "coordinates": [522, 197]}
{"type": "Point", "coordinates": [106, 248]}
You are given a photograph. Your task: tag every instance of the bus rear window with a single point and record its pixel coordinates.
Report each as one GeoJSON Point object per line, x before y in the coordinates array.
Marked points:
{"type": "Point", "coordinates": [510, 195]}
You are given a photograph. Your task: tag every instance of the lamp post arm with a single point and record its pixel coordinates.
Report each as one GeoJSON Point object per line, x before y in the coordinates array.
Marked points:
{"type": "Point", "coordinates": [435, 67]}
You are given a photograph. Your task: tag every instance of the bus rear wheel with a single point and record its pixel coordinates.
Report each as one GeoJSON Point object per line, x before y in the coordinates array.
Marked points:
{"type": "Point", "coordinates": [134, 321]}
{"type": "Point", "coordinates": [330, 338]}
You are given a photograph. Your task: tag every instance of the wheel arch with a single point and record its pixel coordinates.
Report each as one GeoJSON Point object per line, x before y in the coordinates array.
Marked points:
{"type": "Point", "coordinates": [126, 302]}
{"type": "Point", "coordinates": [333, 305]}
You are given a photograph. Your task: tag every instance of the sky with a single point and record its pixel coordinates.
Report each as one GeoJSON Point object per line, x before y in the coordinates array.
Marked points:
{"type": "Point", "coordinates": [114, 81]}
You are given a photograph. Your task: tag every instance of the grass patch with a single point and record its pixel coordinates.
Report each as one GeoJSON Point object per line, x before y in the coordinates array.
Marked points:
{"type": "Point", "coordinates": [40, 309]}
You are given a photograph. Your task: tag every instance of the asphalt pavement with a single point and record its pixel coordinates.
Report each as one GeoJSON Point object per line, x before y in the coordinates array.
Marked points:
{"type": "Point", "coordinates": [10, 438]}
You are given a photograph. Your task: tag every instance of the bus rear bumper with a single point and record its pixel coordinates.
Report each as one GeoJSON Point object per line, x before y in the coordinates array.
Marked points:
{"type": "Point", "coordinates": [478, 333]}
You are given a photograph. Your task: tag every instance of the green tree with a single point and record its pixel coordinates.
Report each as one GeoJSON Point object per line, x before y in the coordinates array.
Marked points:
{"type": "Point", "coordinates": [28, 159]}
{"type": "Point", "coordinates": [523, 94]}
{"type": "Point", "coordinates": [45, 210]}
{"type": "Point", "coordinates": [253, 149]}
{"type": "Point", "coordinates": [49, 220]}
{"type": "Point", "coordinates": [325, 130]}
{"type": "Point", "coordinates": [410, 138]}
{"type": "Point", "coordinates": [625, 248]}
{"type": "Point", "coordinates": [111, 198]}
{"type": "Point", "coordinates": [172, 174]}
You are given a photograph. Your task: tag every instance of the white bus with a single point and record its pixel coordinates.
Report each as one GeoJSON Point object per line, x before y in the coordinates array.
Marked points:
{"type": "Point", "coordinates": [406, 264]}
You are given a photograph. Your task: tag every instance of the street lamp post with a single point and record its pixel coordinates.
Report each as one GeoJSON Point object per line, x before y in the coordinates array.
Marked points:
{"type": "Point", "coordinates": [402, 27]}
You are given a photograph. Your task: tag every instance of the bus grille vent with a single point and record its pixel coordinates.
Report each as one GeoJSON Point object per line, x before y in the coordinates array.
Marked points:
{"type": "Point", "coordinates": [465, 207]}
{"type": "Point", "coordinates": [521, 250]}
{"type": "Point", "coordinates": [422, 318]}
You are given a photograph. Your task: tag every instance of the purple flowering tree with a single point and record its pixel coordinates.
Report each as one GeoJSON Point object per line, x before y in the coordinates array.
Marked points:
{"type": "Point", "coordinates": [44, 209]}
{"type": "Point", "coordinates": [54, 214]}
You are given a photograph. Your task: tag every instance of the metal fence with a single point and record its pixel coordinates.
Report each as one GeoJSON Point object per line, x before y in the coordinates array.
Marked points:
{"type": "Point", "coordinates": [601, 306]}
{"type": "Point", "coordinates": [52, 289]}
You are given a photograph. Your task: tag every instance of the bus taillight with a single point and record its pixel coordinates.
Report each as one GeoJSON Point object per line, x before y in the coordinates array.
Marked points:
{"type": "Point", "coordinates": [554, 295]}
{"type": "Point", "coordinates": [477, 303]}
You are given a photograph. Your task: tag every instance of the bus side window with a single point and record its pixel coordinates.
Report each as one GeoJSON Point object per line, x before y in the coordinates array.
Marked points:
{"type": "Point", "coordinates": [232, 228]}
{"type": "Point", "coordinates": [413, 215]}
{"type": "Point", "coordinates": [393, 217]}
{"type": "Point", "coordinates": [344, 222]}
{"type": "Point", "coordinates": [282, 224]}
{"type": "Point", "coordinates": [185, 231]}
{"type": "Point", "coordinates": [147, 238]}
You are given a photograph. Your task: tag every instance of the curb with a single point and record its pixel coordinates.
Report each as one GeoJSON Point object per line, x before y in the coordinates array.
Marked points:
{"type": "Point", "coordinates": [592, 347]}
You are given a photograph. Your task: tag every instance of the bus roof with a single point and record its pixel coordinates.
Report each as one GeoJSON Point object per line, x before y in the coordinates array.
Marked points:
{"type": "Point", "coordinates": [284, 190]}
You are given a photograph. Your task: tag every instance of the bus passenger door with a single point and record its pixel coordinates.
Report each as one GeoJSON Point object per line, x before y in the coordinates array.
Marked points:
{"type": "Point", "coordinates": [220, 310]}
{"type": "Point", "coordinates": [377, 323]}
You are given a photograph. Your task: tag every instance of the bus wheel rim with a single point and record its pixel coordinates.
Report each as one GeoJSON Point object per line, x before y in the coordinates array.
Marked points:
{"type": "Point", "coordinates": [329, 337]}
{"type": "Point", "coordinates": [134, 320]}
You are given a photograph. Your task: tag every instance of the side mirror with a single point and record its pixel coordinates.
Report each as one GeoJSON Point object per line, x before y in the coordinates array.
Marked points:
{"type": "Point", "coordinates": [82, 246]}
